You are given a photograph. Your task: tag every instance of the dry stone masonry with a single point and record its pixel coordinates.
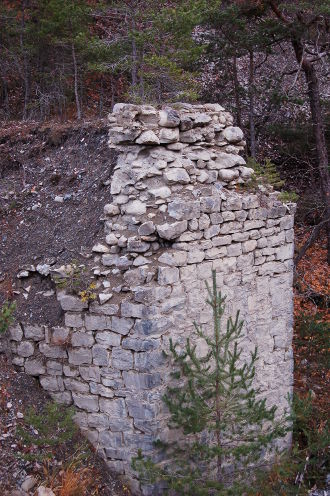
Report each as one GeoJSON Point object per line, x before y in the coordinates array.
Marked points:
{"type": "Point", "coordinates": [180, 207]}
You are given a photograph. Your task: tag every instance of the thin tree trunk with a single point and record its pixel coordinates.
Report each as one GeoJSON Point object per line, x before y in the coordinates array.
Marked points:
{"type": "Point", "coordinates": [251, 106]}
{"type": "Point", "coordinates": [217, 381]}
{"type": "Point", "coordinates": [141, 78]}
{"type": "Point", "coordinates": [25, 65]}
{"type": "Point", "coordinates": [310, 241]}
{"type": "Point", "coordinates": [134, 54]}
{"type": "Point", "coordinates": [237, 93]}
{"type": "Point", "coordinates": [76, 92]}
{"type": "Point", "coordinates": [318, 129]}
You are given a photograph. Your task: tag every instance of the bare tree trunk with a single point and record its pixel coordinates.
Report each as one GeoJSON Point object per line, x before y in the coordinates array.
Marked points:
{"type": "Point", "coordinates": [134, 54]}
{"type": "Point", "coordinates": [25, 65]}
{"type": "Point", "coordinates": [237, 93]}
{"type": "Point", "coordinates": [316, 112]}
{"type": "Point", "coordinates": [141, 78]}
{"type": "Point", "coordinates": [251, 107]}
{"type": "Point", "coordinates": [318, 130]}
{"type": "Point", "coordinates": [76, 92]}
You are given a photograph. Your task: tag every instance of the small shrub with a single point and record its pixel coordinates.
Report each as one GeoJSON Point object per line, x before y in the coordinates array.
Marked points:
{"type": "Point", "coordinates": [267, 174]}
{"type": "Point", "coordinates": [47, 430]}
{"type": "Point", "coordinates": [73, 280]}
{"type": "Point", "coordinates": [6, 316]}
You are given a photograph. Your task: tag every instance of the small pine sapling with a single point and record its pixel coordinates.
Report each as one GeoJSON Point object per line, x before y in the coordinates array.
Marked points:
{"type": "Point", "coordinates": [226, 429]}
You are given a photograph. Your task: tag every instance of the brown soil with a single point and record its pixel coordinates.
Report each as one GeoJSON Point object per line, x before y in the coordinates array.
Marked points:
{"type": "Point", "coordinates": [37, 164]}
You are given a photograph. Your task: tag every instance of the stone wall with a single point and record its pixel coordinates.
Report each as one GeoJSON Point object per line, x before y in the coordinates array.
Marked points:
{"type": "Point", "coordinates": [180, 207]}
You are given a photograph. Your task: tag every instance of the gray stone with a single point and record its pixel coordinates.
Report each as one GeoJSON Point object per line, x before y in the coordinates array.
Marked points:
{"type": "Point", "coordinates": [167, 135]}
{"type": "Point", "coordinates": [148, 138]}
{"type": "Point", "coordinates": [137, 381]}
{"type": "Point", "coordinates": [108, 309]}
{"type": "Point", "coordinates": [73, 319]}
{"type": "Point", "coordinates": [97, 322]}
{"type": "Point", "coordinates": [71, 303]}
{"type": "Point", "coordinates": [60, 335]}
{"type": "Point", "coordinates": [91, 373]}
{"type": "Point", "coordinates": [49, 383]}
{"type": "Point", "coordinates": [36, 333]}
{"type": "Point", "coordinates": [107, 338]}
{"type": "Point", "coordinates": [25, 349]}
{"type": "Point", "coordinates": [76, 386]}
{"type": "Point", "coordinates": [248, 246]}
{"type": "Point", "coordinates": [233, 134]}
{"type": "Point", "coordinates": [184, 210]}
{"type": "Point", "coordinates": [140, 344]}
{"type": "Point", "coordinates": [168, 275]}
{"type": "Point", "coordinates": [148, 327]}
{"type": "Point", "coordinates": [122, 359]}
{"type": "Point", "coordinates": [15, 332]}
{"type": "Point", "coordinates": [169, 117]}
{"type": "Point", "coordinates": [82, 339]}
{"type": "Point", "coordinates": [136, 245]}
{"type": "Point", "coordinates": [121, 325]}
{"type": "Point", "coordinates": [177, 176]}
{"type": "Point", "coordinates": [111, 209]}
{"type": "Point", "coordinates": [113, 407]}
{"type": "Point", "coordinates": [145, 362]}
{"type": "Point", "coordinates": [210, 204]}
{"type": "Point", "coordinates": [100, 355]}
{"type": "Point", "coordinates": [228, 175]}
{"type": "Point", "coordinates": [51, 351]}
{"type": "Point", "coordinates": [87, 402]}
{"type": "Point", "coordinates": [147, 228]}
{"type": "Point", "coordinates": [173, 258]}
{"type": "Point", "coordinates": [80, 356]}
{"type": "Point", "coordinates": [135, 207]}
{"type": "Point", "coordinates": [34, 367]}
{"type": "Point", "coordinates": [172, 231]}
{"type": "Point", "coordinates": [162, 192]}
{"type": "Point", "coordinates": [101, 390]}
{"type": "Point", "coordinates": [212, 231]}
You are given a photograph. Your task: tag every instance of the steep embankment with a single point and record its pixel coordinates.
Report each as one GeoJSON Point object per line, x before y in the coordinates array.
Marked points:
{"type": "Point", "coordinates": [54, 183]}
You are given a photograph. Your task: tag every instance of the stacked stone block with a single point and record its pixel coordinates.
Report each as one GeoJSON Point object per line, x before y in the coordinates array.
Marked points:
{"type": "Point", "coordinates": [180, 208]}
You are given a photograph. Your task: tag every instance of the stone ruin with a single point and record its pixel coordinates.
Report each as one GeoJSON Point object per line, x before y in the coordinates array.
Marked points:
{"type": "Point", "coordinates": [181, 207]}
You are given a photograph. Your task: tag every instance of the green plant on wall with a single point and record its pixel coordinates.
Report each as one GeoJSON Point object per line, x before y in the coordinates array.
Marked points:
{"type": "Point", "coordinates": [267, 174]}
{"type": "Point", "coordinates": [6, 316]}
{"type": "Point", "coordinates": [226, 428]}
{"type": "Point", "coordinates": [73, 279]}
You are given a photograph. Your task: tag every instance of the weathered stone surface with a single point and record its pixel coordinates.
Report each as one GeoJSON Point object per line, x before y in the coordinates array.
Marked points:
{"type": "Point", "coordinates": [34, 367]}
{"type": "Point", "coordinates": [87, 402]}
{"type": "Point", "coordinates": [233, 134]}
{"type": "Point", "coordinates": [169, 117]}
{"type": "Point", "coordinates": [173, 230]}
{"type": "Point", "coordinates": [36, 333]}
{"type": "Point", "coordinates": [184, 210]}
{"type": "Point", "coordinates": [148, 138]}
{"type": "Point", "coordinates": [167, 135]}
{"type": "Point", "coordinates": [80, 356]}
{"type": "Point", "coordinates": [72, 303]}
{"type": "Point", "coordinates": [97, 322]}
{"type": "Point", "coordinates": [25, 349]}
{"type": "Point", "coordinates": [122, 359]}
{"type": "Point", "coordinates": [122, 325]}
{"type": "Point", "coordinates": [177, 176]}
{"type": "Point", "coordinates": [15, 332]}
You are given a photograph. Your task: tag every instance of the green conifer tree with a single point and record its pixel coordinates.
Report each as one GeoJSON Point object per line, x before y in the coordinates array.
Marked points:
{"type": "Point", "coordinates": [227, 429]}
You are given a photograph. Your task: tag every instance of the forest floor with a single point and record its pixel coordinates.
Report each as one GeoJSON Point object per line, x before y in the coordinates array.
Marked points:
{"type": "Point", "coordinates": [54, 182]}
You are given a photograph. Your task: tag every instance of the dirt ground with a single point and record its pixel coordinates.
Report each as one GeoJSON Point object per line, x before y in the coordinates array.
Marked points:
{"type": "Point", "coordinates": [54, 182]}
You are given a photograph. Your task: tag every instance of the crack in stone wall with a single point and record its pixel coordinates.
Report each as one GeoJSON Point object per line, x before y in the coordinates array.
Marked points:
{"type": "Point", "coordinates": [180, 208]}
